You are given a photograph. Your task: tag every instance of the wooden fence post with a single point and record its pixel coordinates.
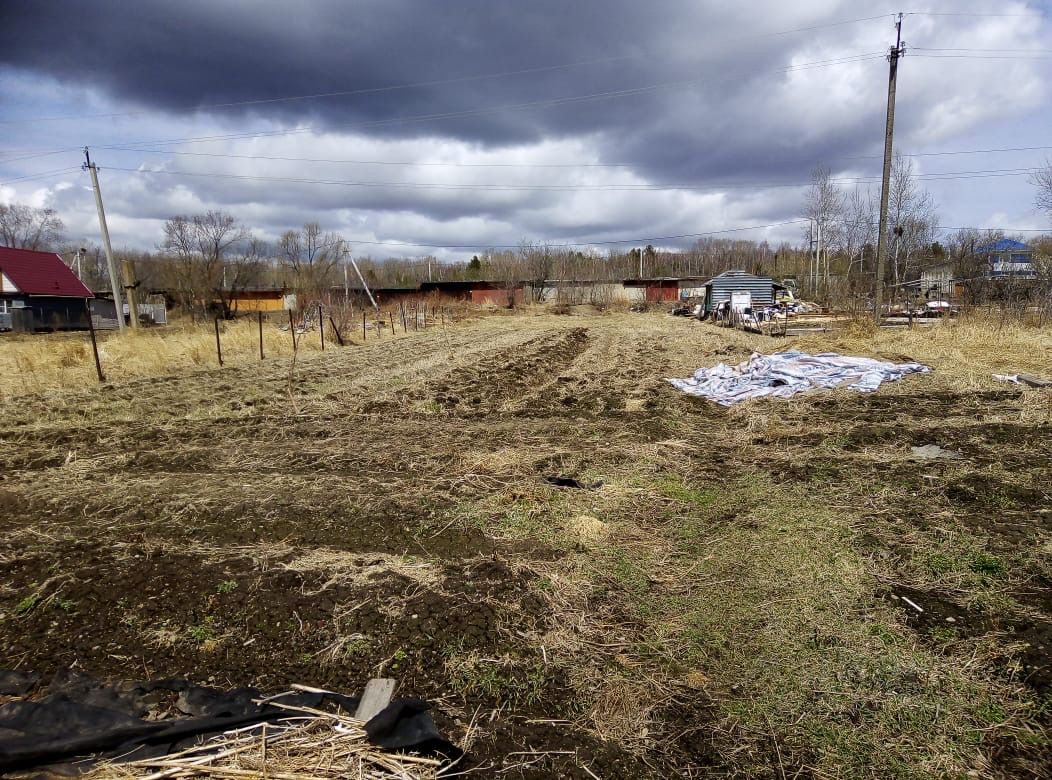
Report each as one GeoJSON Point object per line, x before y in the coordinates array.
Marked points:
{"type": "Point", "coordinates": [219, 348]}
{"type": "Point", "coordinates": [259, 317]}
{"type": "Point", "coordinates": [339, 338]}
{"type": "Point", "coordinates": [94, 343]}
{"type": "Point", "coordinates": [292, 330]}
{"type": "Point", "coordinates": [401, 309]}
{"type": "Point", "coordinates": [392, 321]}
{"type": "Point", "coordinates": [363, 324]}
{"type": "Point", "coordinates": [321, 328]}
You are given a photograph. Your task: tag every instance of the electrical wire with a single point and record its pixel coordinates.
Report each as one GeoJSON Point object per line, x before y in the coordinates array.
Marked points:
{"type": "Point", "coordinates": [850, 59]}
{"type": "Point", "coordinates": [44, 175]}
{"type": "Point", "coordinates": [564, 243]}
{"type": "Point", "coordinates": [423, 84]}
{"type": "Point", "coordinates": [611, 187]}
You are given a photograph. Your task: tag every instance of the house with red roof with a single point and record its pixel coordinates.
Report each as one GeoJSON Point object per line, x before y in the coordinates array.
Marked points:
{"type": "Point", "coordinates": [39, 292]}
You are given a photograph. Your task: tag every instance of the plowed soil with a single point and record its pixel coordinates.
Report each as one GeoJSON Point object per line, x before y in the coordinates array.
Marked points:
{"type": "Point", "coordinates": [382, 510]}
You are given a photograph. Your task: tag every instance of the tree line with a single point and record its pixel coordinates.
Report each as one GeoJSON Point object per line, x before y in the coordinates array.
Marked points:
{"type": "Point", "coordinates": [205, 260]}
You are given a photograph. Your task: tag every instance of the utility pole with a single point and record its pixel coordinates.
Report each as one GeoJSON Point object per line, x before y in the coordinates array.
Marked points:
{"type": "Point", "coordinates": [129, 273]}
{"type": "Point", "coordinates": [889, 132]}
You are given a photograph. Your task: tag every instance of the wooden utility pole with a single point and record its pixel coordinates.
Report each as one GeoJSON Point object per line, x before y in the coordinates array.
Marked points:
{"type": "Point", "coordinates": [889, 133]}
{"type": "Point", "coordinates": [110, 265]}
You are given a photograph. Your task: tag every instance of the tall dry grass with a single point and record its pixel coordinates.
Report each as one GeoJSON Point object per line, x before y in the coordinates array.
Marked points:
{"type": "Point", "coordinates": [970, 348]}
{"type": "Point", "coordinates": [35, 363]}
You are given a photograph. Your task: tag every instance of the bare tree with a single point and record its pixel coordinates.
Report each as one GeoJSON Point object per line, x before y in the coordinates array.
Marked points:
{"type": "Point", "coordinates": [26, 227]}
{"type": "Point", "coordinates": [202, 253]}
{"type": "Point", "coordinates": [860, 229]}
{"type": "Point", "coordinates": [912, 218]}
{"type": "Point", "coordinates": [311, 257]}
{"type": "Point", "coordinates": [824, 206]}
{"type": "Point", "coordinates": [536, 262]}
{"type": "Point", "coordinates": [1042, 179]}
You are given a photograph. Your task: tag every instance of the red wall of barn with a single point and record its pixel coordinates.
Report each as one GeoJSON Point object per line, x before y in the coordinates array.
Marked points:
{"type": "Point", "coordinates": [663, 291]}
{"type": "Point", "coordinates": [496, 297]}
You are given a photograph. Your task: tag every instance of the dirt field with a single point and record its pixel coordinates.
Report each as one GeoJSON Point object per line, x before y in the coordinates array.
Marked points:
{"type": "Point", "coordinates": [729, 595]}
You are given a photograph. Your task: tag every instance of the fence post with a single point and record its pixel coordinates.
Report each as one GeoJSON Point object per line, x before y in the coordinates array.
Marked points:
{"type": "Point", "coordinates": [94, 344]}
{"type": "Point", "coordinates": [339, 338]}
{"type": "Point", "coordinates": [292, 330]}
{"type": "Point", "coordinates": [363, 324]}
{"type": "Point", "coordinates": [219, 348]}
{"type": "Point", "coordinates": [321, 328]}
{"type": "Point", "coordinates": [401, 309]}
{"type": "Point", "coordinates": [392, 321]}
{"type": "Point", "coordinates": [259, 316]}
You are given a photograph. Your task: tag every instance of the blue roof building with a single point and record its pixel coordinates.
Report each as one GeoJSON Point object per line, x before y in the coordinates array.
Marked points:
{"type": "Point", "coordinates": [1007, 258]}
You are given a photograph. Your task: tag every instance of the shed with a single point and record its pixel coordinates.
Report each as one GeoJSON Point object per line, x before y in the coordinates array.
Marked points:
{"type": "Point", "coordinates": [38, 292]}
{"type": "Point", "coordinates": [654, 289]}
{"type": "Point", "coordinates": [739, 284]}
{"type": "Point", "coordinates": [477, 291]}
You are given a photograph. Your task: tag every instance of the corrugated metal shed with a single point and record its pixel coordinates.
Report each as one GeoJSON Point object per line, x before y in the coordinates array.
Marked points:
{"type": "Point", "coordinates": [719, 289]}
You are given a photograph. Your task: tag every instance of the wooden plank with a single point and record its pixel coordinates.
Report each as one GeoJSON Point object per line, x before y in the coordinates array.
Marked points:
{"type": "Point", "coordinates": [377, 695]}
{"type": "Point", "coordinates": [1034, 381]}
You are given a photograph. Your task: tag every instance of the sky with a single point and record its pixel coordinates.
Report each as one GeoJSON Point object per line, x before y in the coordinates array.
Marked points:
{"type": "Point", "coordinates": [418, 127]}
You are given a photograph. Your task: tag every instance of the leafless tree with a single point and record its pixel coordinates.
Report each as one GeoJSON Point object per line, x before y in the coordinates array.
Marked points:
{"type": "Point", "coordinates": [202, 251]}
{"type": "Point", "coordinates": [824, 206]}
{"type": "Point", "coordinates": [312, 257]}
{"type": "Point", "coordinates": [860, 230]}
{"type": "Point", "coordinates": [1042, 179]}
{"type": "Point", "coordinates": [536, 262]}
{"type": "Point", "coordinates": [912, 218]}
{"type": "Point", "coordinates": [26, 227]}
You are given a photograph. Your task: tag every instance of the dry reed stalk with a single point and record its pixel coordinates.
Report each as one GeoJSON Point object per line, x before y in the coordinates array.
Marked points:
{"type": "Point", "coordinates": [309, 743]}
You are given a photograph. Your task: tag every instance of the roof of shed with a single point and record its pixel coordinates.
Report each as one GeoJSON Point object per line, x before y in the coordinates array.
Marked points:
{"type": "Point", "coordinates": [735, 274]}
{"type": "Point", "coordinates": [41, 273]}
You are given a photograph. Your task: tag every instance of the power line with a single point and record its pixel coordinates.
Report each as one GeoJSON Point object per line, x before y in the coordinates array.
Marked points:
{"type": "Point", "coordinates": [423, 84]}
{"type": "Point", "coordinates": [954, 152]}
{"type": "Point", "coordinates": [850, 59]}
{"type": "Point", "coordinates": [979, 15]}
{"type": "Point", "coordinates": [435, 164]}
{"type": "Point", "coordinates": [340, 93]}
{"type": "Point", "coordinates": [44, 175]}
{"type": "Point", "coordinates": [611, 187]}
{"type": "Point", "coordinates": [371, 162]}
{"type": "Point", "coordinates": [561, 243]}
{"type": "Point", "coordinates": [990, 51]}
{"type": "Point", "coordinates": [980, 56]}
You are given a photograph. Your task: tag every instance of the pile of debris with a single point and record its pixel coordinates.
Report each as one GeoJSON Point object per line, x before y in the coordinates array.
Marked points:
{"type": "Point", "coordinates": [173, 729]}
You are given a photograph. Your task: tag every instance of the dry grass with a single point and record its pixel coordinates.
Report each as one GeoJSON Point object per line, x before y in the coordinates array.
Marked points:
{"type": "Point", "coordinates": [728, 580]}
{"type": "Point", "coordinates": [968, 349]}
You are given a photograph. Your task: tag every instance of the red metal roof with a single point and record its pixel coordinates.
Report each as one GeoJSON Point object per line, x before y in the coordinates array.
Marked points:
{"type": "Point", "coordinates": [41, 273]}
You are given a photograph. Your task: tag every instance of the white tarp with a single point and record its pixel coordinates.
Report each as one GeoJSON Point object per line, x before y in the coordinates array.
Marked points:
{"type": "Point", "coordinates": [784, 374]}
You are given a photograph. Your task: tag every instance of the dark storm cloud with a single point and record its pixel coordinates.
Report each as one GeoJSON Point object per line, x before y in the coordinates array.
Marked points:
{"type": "Point", "coordinates": [176, 57]}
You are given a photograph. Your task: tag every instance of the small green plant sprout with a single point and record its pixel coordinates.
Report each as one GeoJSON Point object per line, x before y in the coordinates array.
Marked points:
{"type": "Point", "coordinates": [25, 606]}
{"type": "Point", "coordinates": [203, 632]}
{"type": "Point", "coordinates": [226, 586]}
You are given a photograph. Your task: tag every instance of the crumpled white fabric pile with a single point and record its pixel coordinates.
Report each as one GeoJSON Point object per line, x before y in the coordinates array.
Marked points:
{"type": "Point", "coordinates": [784, 374]}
